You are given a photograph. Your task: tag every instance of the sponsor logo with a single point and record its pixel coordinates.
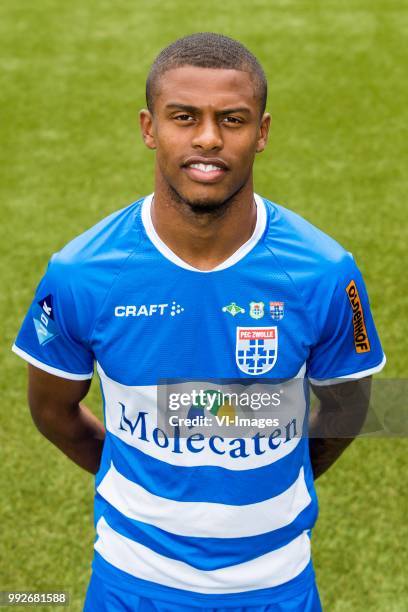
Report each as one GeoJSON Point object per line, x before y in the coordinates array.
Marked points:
{"type": "Point", "coordinates": [237, 448]}
{"type": "Point", "coordinates": [361, 342]}
{"type": "Point", "coordinates": [277, 310]}
{"type": "Point", "coordinates": [256, 310]}
{"type": "Point", "coordinates": [43, 318]}
{"type": "Point", "coordinates": [256, 349]}
{"type": "Point", "coordinates": [148, 310]}
{"type": "Point", "coordinates": [233, 309]}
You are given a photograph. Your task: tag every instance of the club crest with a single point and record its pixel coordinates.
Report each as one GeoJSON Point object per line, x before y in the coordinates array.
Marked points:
{"type": "Point", "coordinates": [256, 310]}
{"type": "Point", "coordinates": [256, 349]}
{"type": "Point", "coordinates": [277, 310]}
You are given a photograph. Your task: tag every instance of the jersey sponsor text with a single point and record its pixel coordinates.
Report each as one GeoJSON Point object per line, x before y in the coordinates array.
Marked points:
{"type": "Point", "coordinates": [361, 342]}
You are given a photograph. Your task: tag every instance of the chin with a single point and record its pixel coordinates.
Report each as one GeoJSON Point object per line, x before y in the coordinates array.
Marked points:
{"type": "Point", "coordinates": [204, 201]}
{"type": "Point", "coordinates": [207, 202]}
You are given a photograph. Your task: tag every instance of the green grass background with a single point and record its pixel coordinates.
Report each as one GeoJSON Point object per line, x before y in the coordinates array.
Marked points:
{"type": "Point", "coordinates": [71, 84]}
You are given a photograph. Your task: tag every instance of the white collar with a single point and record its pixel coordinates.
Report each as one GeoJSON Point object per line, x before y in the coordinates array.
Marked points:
{"type": "Point", "coordinates": [243, 250]}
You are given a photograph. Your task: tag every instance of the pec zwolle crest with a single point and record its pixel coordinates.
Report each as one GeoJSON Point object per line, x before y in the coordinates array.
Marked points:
{"type": "Point", "coordinates": [277, 310]}
{"type": "Point", "coordinates": [256, 349]}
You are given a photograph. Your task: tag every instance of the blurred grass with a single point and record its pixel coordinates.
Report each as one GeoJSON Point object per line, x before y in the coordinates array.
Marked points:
{"type": "Point", "coordinates": [71, 84]}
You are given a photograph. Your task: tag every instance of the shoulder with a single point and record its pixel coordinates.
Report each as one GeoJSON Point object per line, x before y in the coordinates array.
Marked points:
{"type": "Point", "coordinates": [84, 270]}
{"type": "Point", "coordinates": [116, 232]}
{"type": "Point", "coordinates": [302, 249]}
{"type": "Point", "coordinates": [102, 249]}
{"type": "Point", "coordinates": [318, 267]}
{"type": "Point", "coordinates": [80, 275]}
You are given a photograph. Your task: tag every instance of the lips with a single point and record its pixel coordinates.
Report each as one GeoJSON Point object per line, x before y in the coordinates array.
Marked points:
{"type": "Point", "coordinates": [205, 170]}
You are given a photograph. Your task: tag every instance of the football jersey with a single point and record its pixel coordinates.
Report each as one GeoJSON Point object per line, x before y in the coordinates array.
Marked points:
{"type": "Point", "coordinates": [210, 519]}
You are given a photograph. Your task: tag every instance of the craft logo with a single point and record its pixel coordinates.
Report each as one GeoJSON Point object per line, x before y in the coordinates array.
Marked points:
{"type": "Point", "coordinates": [233, 309]}
{"type": "Point", "coordinates": [148, 310]}
{"type": "Point", "coordinates": [256, 349]}
{"type": "Point", "coordinates": [361, 342]}
{"type": "Point", "coordinates": [43, 317]}
{"type": "Point", "coordinates": [276, 310]}
{"type": "Point", "coordinates": [256, 310]}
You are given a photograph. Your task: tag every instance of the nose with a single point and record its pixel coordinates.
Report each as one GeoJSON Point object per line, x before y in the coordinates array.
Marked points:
{"type": "Point", "coordinates": [207, 136]}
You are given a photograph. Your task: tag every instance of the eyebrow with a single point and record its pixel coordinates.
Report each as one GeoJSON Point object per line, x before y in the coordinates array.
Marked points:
{"type": "Point", "coordinates": [195, 109]}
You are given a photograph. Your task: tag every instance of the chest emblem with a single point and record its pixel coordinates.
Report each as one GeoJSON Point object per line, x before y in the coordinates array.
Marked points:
{"type": "Point", "coordinates": [233, 309]}
{"type": "Point", "coordinates": [256, 349]}
{"type": "Point", "coordinates": [256, 310]}
{"type": "Point", "coordinates": [277, 310]}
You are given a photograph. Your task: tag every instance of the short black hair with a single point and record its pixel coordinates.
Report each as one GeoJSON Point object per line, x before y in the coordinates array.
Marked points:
{"type": "Point", "coordinates": [206, 50]}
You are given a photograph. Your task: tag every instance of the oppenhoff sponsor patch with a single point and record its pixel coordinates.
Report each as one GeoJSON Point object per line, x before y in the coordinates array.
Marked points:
{"type": "Point", "coordinates": [361, 342]}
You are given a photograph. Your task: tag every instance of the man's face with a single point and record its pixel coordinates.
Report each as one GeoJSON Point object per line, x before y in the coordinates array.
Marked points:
{"type": "Point", "coordinates": [206, 128]}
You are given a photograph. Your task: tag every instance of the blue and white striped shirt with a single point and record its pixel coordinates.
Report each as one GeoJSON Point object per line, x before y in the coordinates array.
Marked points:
{"type": "Point", "coordinates": [202, 518]}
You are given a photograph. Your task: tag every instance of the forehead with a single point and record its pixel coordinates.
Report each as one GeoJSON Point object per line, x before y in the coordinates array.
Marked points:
{"type": "Point", "coordinates": [206, 87]}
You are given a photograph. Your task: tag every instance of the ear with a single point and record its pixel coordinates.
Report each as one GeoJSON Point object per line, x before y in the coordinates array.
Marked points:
{"type": "Point", "coordinates": [263, 132]}
{"type": "Point", "coordinates": [146, 127]}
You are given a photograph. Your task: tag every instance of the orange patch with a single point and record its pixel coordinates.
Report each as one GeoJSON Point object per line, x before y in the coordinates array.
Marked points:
{"type": "Point", "coordinates": [361, 341]}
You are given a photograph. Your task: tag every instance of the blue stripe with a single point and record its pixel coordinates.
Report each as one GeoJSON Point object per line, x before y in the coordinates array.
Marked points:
{"type": "Point", "coordinates": [209, 553]}
{"type": "Point", "coordinates": [117, 578]}
{"type": "Point", "coordinates": [205, 483]}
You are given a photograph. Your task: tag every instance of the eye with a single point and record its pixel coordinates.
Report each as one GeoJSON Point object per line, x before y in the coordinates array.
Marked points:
{"type": "Point", "coordinates": [184, 117]}
{"type": "Point", "coordinates": [232, 120]}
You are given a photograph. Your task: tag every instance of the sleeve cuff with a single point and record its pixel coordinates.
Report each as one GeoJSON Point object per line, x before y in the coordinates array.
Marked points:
{"type": "Point", "coordinates": [47, 368]}
{"type": "Point", "coordinates": [352, 376]}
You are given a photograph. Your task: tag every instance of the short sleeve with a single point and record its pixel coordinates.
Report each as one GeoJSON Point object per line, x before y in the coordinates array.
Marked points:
{"type": "Point", "coordinates": [53, 336]}
{"type": "Point", "coordinates": [348, 345]}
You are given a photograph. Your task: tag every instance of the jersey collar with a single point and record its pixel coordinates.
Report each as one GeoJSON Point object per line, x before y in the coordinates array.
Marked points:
{"type": "Point", "coordinates": [243, 250]}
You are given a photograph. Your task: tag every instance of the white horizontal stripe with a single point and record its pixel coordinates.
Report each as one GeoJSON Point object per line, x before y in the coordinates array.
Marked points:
{"type": "Point", "coordinates": [272, 569]}
{"type": "Point", "coordinates": [349, 377]}
{"type": "Point", "coordinates": [47, 368]}
{"type": "Point", "coordinates": [202, 519]}
{"type": "Point", "coordinates": [233, 259]}
{"type": "Point", "coordinates": [143, 398]}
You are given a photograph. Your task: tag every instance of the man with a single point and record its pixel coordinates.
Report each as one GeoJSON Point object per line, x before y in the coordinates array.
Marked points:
{"type": "Point", "coordinates": [202, 281]}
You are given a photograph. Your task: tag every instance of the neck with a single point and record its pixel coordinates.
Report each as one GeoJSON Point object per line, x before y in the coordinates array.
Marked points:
{"type": "Point", "coordinates": [204, 237]}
